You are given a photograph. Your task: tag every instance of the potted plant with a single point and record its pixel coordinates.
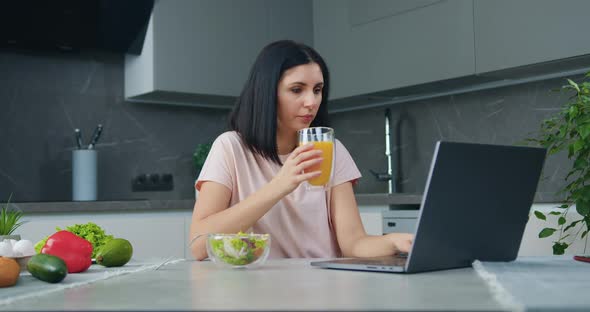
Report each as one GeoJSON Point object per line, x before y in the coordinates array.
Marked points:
{"type": "Point", "coordinates": [200, 155]}
{"type": "Point", "coordinates": [570, 130]}
{"type": "Point", "coordinates": [10, 220]}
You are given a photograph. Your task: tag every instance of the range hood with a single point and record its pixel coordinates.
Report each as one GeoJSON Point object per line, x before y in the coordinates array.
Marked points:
{"type": "Point", "coordinates": [73, 25]}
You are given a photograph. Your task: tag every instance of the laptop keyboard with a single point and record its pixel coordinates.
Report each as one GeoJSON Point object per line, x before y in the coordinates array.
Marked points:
{"type": "Point", "coordinates": [398, 260]}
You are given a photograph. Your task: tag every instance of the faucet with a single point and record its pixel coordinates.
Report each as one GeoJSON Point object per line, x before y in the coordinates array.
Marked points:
{"type": "Point", "coordinates": [388, 176]}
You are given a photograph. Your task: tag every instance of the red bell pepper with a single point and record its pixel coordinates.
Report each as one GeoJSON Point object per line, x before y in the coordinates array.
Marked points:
{"type": "Point", "coordinates": [75, 251]}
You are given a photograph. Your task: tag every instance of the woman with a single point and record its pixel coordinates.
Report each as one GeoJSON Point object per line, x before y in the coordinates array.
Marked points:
{"type": "Point", "coordinates": [253, 177]}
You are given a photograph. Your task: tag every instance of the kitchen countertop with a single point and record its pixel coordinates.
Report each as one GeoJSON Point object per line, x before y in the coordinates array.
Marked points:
{"type": "Point", "coordinates": [388, 199]}
{"type": "Point", "coordinates": [183, 285]}
{"type": "Point", "coordinates": [100, 206]}
{"type": "Point", "coordinates": [183, 204]}
{"type": "Point", "coordinates": [193, 285]}
{"type": "Point", "coordinates": [521, 285]}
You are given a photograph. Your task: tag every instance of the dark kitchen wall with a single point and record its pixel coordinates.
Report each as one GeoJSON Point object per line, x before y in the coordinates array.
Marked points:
{"type": "Point", "coordinates": [45, 96]}
{"type": "Point", "coordinates": [505, 115]}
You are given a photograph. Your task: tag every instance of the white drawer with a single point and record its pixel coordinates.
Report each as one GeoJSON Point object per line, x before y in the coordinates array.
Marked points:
{"type": "Point", "coordinates": [399, 225]}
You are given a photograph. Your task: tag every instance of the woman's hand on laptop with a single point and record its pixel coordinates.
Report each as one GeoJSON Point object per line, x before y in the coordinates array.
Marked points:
{"type": "Point", "coordinates": [402, 242]}
{"type": "Point", "coordinates": [380, 245]}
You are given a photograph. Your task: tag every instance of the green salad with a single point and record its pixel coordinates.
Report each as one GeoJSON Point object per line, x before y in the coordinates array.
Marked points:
{"type": "Point", "coordinates": [239, 249]}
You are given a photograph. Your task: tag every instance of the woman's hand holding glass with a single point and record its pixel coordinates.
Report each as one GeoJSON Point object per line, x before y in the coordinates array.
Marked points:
{"type": "Point", "coordinates": [294, 168]}
{"type": "Point", "coordinates": [322, 139]}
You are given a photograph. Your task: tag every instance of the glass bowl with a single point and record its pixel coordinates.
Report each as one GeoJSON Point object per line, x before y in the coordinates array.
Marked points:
{"type": "Point", "coordinates": [238, 250]}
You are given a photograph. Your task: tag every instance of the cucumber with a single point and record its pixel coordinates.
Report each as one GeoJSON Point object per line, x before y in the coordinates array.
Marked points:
{"type": "Point", "coordinates": [47, 268]}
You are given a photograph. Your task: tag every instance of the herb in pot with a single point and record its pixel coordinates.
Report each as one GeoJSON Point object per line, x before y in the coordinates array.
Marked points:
{"type": "Point", "coordinates": [9, 219]}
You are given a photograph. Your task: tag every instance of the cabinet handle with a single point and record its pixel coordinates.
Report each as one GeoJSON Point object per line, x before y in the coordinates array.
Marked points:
{"type": "Point", "coordinates": [391, 224]}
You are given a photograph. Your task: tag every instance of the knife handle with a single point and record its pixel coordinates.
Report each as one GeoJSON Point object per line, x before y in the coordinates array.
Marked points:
{"type": "Point", "coordinates": [95, 136]}
{"type": "Point", "coordinates": [78, 135]}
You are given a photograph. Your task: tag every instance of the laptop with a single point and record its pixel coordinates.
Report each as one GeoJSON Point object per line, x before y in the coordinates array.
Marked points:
{"type": "Point", "coordinates": [475, 207]}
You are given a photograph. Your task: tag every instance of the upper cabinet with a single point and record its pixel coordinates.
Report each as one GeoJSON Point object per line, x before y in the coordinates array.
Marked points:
{"type": "Point", "coordinates": [378, 45]}
{"type": "Point", "coordinates": [379, 52]}
{"type": "Point", "coordinates": [516, 33]}
{"type": "Point", "coordinates": [199, 52]}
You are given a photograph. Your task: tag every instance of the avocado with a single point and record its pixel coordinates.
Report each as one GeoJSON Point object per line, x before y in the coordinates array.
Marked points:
{"type": "Point", "coordinates": [47, 268]}
{"type": "Point", "coordinates": [114, 253]}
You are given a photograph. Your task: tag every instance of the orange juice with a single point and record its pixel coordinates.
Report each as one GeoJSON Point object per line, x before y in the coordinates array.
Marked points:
{"type": "Point", "coordinates": [327, 148]}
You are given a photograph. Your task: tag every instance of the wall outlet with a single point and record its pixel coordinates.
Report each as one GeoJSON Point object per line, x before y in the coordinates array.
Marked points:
{"type": "Point", "coordinates": [152, 182]}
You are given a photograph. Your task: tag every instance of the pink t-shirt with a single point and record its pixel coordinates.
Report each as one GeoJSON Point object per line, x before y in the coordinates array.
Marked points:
{"type": "Point", "coordinates": [299, 224]}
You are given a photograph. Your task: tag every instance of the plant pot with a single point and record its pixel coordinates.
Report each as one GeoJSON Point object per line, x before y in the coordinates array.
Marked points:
{"type": "Point", "coordinates": [14, 236]}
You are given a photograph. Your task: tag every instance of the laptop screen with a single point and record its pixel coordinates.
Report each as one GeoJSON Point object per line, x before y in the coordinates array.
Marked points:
{"type": "Point", "coordinates": [475, 206]}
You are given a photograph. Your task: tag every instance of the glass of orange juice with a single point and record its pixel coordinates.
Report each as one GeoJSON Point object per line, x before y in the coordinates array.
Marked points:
{"type": "Point", "coordinates": [322, 139]}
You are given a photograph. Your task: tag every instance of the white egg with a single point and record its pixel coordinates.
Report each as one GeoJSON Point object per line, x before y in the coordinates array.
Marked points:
{"type": "Point", "coordinates": [23, 248]}
{"type": "Point", "coordinates": [5, 249]}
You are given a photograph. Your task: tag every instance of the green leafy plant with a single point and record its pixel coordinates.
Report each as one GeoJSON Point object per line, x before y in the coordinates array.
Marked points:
{"type": "Point", "coordinates": [9, 219]}
{"type": "Point", "coordinates": [200, 155]}
{"type": "Point", "coordinates": [570, 130]}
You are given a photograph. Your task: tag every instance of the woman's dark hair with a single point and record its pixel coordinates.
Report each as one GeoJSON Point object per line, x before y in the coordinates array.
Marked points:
{"type": "Point", "coordinates": [254, 116]}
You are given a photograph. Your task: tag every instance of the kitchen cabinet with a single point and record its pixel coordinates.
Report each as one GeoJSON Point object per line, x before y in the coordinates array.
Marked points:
{"type": "Point", "coordinates": [400, 221]}
{"type": "Point", "coordinates": [386, 52]}
{"type": "Point", "coordinates": [152, 234]}
{"type": "Point", "coordinates": [165, 233]}
{"type": "Point", "coordinates": [517, 33]}
{"type": "Point", "coordinates": [372, 46]}
{"type": "Point", "coordinates": [199, 53]}
{"type": "Point", "coordinates": [406, 221]}
{"type": "Point", "coordinates": [371, 217]}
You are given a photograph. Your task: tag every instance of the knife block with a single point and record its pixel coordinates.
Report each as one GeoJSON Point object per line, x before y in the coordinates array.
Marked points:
{"type": "Point", "coordinates": [84, 165]}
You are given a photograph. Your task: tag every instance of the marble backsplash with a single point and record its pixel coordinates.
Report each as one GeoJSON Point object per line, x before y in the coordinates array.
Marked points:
{"type": "Point", "coordinates": [505, 115]}
{"type": "Point", "coordinates": [44, 97]}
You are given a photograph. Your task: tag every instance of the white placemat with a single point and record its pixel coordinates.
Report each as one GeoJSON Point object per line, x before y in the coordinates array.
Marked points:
{"type": "Point", "coordinates": [556, 283]}
{"type": "Point", "coordinates": [30, 287]}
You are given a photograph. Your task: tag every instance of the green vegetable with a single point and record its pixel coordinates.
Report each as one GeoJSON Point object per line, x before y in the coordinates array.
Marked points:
{"type": "Point", "coordinates": [47, 268]}
{"type": "Point", "coordinates": [115, 253]}
{"type": "Point", "coordinates": [9, 219]}
{"type": "Point", "coordinates": [39, 245]}
{"type": "Point", "coordinates": [200, 155]}
{"type": "Point", "coordinates": [241, 249]}
{"type": "Point", "coordinates": [89, 231]}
